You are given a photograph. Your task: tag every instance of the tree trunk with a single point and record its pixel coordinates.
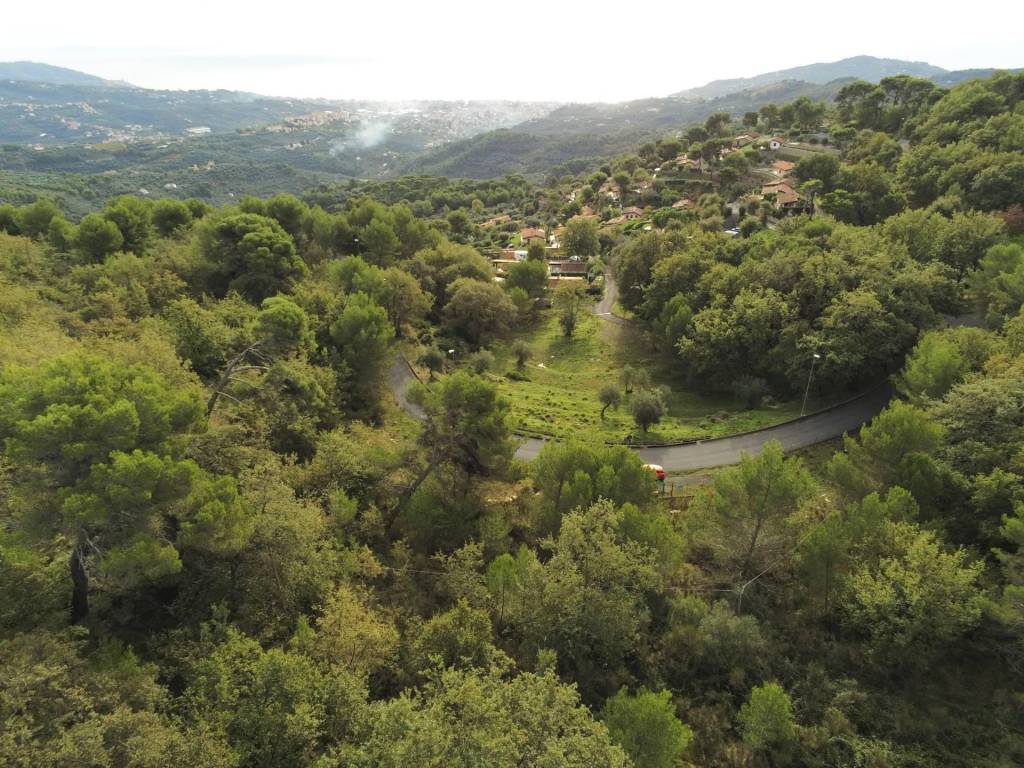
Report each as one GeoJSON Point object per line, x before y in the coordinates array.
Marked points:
{"type": "Point", "coordinates": [392, 517]}
{"type": "Point", "coordinates": [750, 549]}
{"type": "Point", "coordinates": [232, 365]}
{"type": "Point", "coordinates": [79, 587]}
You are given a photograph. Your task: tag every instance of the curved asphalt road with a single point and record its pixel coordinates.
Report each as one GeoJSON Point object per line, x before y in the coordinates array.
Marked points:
{"type": "Point", "coordinates": [810, 430]}
{"type": "Point", "coordinates": [804, 432]}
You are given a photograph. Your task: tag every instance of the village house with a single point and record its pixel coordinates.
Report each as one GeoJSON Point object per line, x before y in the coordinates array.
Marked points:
{"type": "Point", "coordinates": [532, 233]}
{"type": "Point", "coordinates": [782, 167]}
{"type": "Point", "coordinates": [564, 267]}
{"type": "Point", "coordinates": [632, 212]}
{"type": "Point", "coordinates": [785, 198]}
{"type": "Point", "coordinates": [555, 280]}
{"type": "Point", "coordinates": [775, 142]}
{"type": "Point", "coordinates": [687, 163]}
{"type": "Point", "coordinates": [743, 140]}
{"type": "Point", "coordinates": [772, 187]}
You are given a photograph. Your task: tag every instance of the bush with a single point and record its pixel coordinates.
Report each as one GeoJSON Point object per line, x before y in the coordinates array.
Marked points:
{"type": "Point", "coordinates": [750, 390]}
{"type": "Point", "coordinates": [433, 360]}
{"type": "Point", "coordinates": [516, 375]}
{"type": "Point", "coordinates": [482, 361]}
{"type": "Point", "coordinates": [522, 352]}
{"type": "Point", "coordinates": [648, 407]}
{"type": "Point", "coordinates": [749, 226]}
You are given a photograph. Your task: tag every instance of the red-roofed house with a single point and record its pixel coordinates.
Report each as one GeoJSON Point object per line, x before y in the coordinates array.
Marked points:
{"type": "Point", "coordinates": [531, 233]}
{"type": "Point", "coordinates": [632, 212]}
{"type": "Point", "coordinates": [782, 167]}
{"type": "Point", "coordinates": [787, 199]}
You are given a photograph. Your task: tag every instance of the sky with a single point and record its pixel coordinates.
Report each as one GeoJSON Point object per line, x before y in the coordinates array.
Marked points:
{"type": "Point", "coordinates": [536, 50]}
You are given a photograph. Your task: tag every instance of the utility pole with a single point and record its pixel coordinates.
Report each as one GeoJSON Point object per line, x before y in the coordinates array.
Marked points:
{"type": "Point", "coordinates": [807, 389]}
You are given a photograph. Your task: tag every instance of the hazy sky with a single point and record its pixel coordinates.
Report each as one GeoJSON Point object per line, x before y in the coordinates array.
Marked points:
{"type": "Point", "coordinates": [519, 49]}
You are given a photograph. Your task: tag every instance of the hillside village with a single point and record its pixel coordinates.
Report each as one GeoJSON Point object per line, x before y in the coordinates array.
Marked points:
{"type": "Point", "coordinates": [737, 183]}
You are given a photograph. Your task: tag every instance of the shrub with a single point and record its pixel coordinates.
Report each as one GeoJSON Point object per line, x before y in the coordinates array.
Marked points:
{"type": "Point", "coordinates": [482, 361]}
{"type": "Point", "coordinates": [750, 390]}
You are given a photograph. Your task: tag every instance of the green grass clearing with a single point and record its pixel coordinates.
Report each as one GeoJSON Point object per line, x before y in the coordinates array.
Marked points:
{"type": "Point", "coordinates": [565, 376]}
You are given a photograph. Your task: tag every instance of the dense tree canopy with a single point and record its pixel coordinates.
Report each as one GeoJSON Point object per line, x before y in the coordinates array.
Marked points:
{"type": "Point", "coordinates": [235, 532]}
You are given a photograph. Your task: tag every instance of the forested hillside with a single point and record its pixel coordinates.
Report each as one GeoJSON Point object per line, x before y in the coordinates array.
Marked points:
{"type": "Point", "coordinates": [578, 135]}
{"type": "Point", "coordinates": [230, 536]}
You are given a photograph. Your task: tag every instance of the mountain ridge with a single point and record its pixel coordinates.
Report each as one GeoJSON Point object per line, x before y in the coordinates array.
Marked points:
{"type": "Point", "coordinates": [39, 72]}
{"type": "Point", "coordinates": [870, 68]}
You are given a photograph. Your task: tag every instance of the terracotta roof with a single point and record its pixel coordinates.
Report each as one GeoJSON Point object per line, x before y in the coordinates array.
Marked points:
{"type": "Point", "coordinates": [778, 188]}
{"type": "Point", "coordinates": [783, 166]}
{"type": "Point", "coordinates": [531, 232]}
{"type": "Point", "coordinates": [787, 196]}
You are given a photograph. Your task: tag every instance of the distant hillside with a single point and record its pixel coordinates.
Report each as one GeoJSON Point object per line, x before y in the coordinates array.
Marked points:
{"type": "Point", "coordinates": [34, 72]}
{"type": "Point", "coordinates": [578, 133]}
{"type": "Point", "coordinates": [859, 67]}
{"type": "Point", "coordinates": [949, 79]}
{"type": "Point", "coordinates": [49, 114]}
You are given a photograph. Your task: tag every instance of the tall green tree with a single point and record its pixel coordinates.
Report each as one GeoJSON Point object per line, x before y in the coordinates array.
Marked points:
{"type": "Point", "coordinates": [467, 425]}
{"type": "Point", "coordinates": [106, 436]}
{"type": "Point", "coordinates": [570, 475]}
{"type": "Point", "coordinates": [766, 720]}
{"type": "Point", "coordinates": [170, 217]}
{"type": "Point", "coordinates": [134, 219]}
{"type": "Point", "coordinates": [588, 600]}
{"type": "Point", "coordinates": [472, 718]}
{"type": "Point", "coordinates": [645, 725]}
{"type": "Point", "coordinates": [478, 311]}
{"type": "Point", "coordinates": [97, 237]}
{"type": "Point", "coordinates": [362, 334]}
{"type": "Point", "coordinates": [580, 238]}
{"type": "Point", "coordinates": [531, 276]}
{"type": "Point", "coordinates": [916, 599]}
{"type": "Point", "coordinates": [647, 406]}
{"type": "Point", "coordinates": [568, 301]}
{"type": "Point", "coordinates": [754, 501]}
{"type": "Point", "coordinates": [250, 254]}
{"type": "Point", "coordinates": [34, 220]}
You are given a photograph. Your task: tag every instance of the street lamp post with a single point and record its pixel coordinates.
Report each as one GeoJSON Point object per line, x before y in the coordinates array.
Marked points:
{"type": "Point", "coordinates": [807, 389]}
